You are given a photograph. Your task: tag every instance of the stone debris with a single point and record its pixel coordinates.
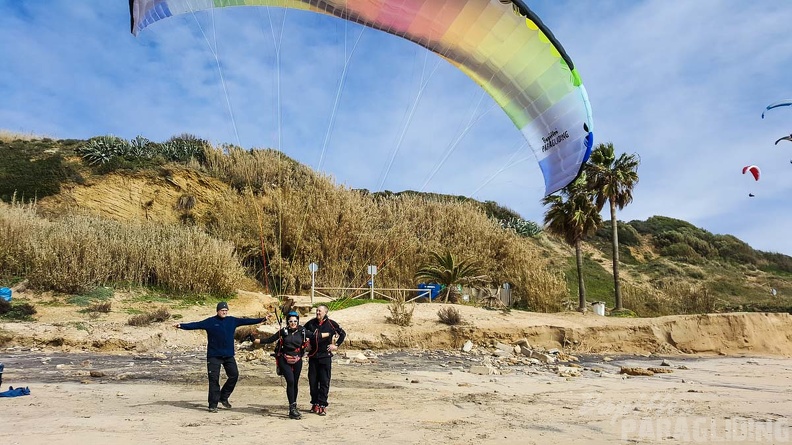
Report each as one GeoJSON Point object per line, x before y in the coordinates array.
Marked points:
{"type": "Point", "coordinates": [568, 371]}
{"type": "Point", "coordinates": [484, 369]}
{"type": "Point", "coordinates": [665, 363]}
{"type": "Point", "coordinates": [468, 346]}
{"type": "Point", "coordinates": [523, 343]}
{"type": "Point", "coordinates": [636, 371]}
{"type": "Point", "coordinates": [661, 370]}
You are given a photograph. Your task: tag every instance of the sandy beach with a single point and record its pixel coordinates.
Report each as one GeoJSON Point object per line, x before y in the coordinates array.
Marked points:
{"type": "Point", "coordinates": [397, 398]}
{"type": "Point", "coordinates": [726, 379]}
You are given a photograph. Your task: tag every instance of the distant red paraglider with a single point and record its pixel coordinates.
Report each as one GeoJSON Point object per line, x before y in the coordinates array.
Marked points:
{"type": "Point", "coordinates": [754, 170]}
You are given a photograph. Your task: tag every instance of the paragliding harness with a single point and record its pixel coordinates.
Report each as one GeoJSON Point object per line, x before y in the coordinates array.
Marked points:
{"type": "Point", "coordinates": [279, 352]}
{"type": "Point", "coordinates": [319, 336]}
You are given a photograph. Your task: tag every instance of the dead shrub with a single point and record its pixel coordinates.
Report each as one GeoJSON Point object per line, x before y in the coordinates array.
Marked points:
{"type": "Point", "coordinates": [147, 318]}
{"type": "Point", "coordinates": [401, 312]}
{"type": "Point", "coordinates": [647, 301]}
{"type": "Point", "coordinates": [102, 307]}
{"type": "Point", "coordinates": [449, 315]}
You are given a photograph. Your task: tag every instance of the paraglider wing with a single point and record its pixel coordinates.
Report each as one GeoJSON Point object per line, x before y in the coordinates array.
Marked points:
{"type": "Point", "coordinates": [502, 46]}
{"type": "Point", "coordinates": [754, 170]}
{"type": "Point", "coordinates": [783, 103]}
{"type": "Point", "coordinates": [785, 138]}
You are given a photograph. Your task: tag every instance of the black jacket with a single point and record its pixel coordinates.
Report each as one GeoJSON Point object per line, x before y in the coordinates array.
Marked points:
{"type": "Point", "coordinates": [318, 344]}
{"type": "Point", "coordinates": [293, 340]}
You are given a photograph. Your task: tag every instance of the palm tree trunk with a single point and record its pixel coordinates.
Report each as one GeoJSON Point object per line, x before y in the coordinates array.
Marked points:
{"type": "Point", "coordinates": [616, 286]}
{"type": "Point", "coordinates": [448, 292]}
{"type": "Point", "coordinates": [581, 286]}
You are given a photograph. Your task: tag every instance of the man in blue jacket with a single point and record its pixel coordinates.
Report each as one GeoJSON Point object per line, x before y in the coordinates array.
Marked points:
{"type": "Point", "coordinates": [220, 351]}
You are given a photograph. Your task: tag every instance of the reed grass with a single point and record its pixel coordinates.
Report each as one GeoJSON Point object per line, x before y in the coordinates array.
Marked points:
{"type": "Point", "coordinates": [77, 253]}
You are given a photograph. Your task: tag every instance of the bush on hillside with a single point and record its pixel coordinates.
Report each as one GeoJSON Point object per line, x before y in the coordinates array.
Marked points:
{"type": "Point", "coordinates": [628, 236]}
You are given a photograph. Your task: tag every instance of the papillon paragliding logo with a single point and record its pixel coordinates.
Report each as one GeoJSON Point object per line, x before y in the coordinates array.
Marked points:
{"type": "Point", "coordinates": [753, 171]}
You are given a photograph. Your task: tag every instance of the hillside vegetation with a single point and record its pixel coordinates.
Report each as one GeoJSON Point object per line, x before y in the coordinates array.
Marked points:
{"type": "Point", "coordinates": [184, 217]}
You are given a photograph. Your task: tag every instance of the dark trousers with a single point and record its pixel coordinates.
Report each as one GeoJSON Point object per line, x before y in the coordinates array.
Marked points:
{"type": "Point", "coordinates": [319, 379]}
{"type": "Point", "coordinates": [232, 372]}
{"type": "Point", "coordinates": [292, 375]}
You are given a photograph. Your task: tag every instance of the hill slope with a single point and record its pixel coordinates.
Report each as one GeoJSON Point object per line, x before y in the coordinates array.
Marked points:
{"type": "Point", "coordinates": [669, 266]}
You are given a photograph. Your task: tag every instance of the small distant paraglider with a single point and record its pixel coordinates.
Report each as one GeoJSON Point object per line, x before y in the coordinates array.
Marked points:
{"type": "Point", "coordinates": [785, 138]}
{"type": "Point", "coordinates": [781, 103]}
{"type": "Point", "coordinates": [754, 170]}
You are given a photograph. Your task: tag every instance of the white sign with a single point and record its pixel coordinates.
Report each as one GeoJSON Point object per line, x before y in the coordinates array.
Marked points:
{"type": "Point", "coordinates": [313, 267]}
{"type": "Point", "coordinates": [372, 270]}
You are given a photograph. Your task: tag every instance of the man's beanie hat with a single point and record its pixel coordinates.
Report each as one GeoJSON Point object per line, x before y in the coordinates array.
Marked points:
{"type": "Point", "coordinates": [222, 305]}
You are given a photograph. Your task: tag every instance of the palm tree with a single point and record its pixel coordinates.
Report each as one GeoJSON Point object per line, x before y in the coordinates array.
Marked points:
{"type": "Point", "coordinates": [444, 269]}
{"type": "Point", "coordinates": [573, 215]}
{"type": "Point", "coordinates": [612, 179]}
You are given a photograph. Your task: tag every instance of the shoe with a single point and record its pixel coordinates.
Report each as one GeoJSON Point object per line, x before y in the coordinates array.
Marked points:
{"type": "Point", "coordinates": [315, 409]}
{"type": "Point", "coordinates": [212, 409]}
{"type": "Point", "coordinates": [322, 411]}
{"type": "Point", "coordinates": [293, 413]}
{"type": "Point", "coordinates": [225, 404]}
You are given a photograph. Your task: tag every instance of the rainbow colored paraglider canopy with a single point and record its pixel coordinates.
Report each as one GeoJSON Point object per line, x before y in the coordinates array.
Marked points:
{"type": "Point", "coordinates": [500, 44]}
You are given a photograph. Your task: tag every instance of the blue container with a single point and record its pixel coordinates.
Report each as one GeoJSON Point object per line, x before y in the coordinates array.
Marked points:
{"type": "Point", "coordinates": [5, 293]}
{"type": "Point", "coordinates": [434, 289]}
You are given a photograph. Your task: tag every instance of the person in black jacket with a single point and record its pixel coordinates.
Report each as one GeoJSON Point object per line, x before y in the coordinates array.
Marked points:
{"type": "Point", "coordinates": [328, 335]}
{"type": "Point", "coordinates": [220, 351]}
{"type": "Point", "coordinates": [289, 351]}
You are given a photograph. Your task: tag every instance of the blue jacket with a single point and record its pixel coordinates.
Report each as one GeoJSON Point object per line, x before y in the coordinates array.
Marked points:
{"type": "Point", "coordinates": [220, 333]}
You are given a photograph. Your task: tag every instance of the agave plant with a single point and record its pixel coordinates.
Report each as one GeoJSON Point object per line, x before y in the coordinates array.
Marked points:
{"type": "Point", "coordinates": [142, 147]}
{"type": "Point", "coordinates": [184, 147]}
{"type": "Point", "coordinates": [102, 149]}
{"type": "Point", "coordinates": [521, 226]}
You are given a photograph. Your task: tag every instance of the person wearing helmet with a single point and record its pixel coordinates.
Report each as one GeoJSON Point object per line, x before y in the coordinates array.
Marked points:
{"type": "Point", "coordinates": [220, 351]}
{"type": "Point", "coordinates": [292, 341]}
{"type": "Point", "coordinates": [328, 336]}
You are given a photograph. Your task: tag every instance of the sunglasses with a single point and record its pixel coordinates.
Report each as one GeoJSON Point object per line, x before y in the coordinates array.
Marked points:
{"type": "Point", "coordinates": [292, 321]}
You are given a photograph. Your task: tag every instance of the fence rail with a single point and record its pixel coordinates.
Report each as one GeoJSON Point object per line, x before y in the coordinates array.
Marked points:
{"type": "Point", "coordinates": [371, 292]}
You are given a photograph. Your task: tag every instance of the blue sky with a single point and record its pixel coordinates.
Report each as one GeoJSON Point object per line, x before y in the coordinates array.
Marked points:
{"type": "Point", "coordinates": [682, 84]}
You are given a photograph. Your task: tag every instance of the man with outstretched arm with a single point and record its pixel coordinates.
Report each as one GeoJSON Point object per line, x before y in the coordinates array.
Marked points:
{"type": "Point", "coordinates": [220, 351]}
{"type": "Point", "coordinates": [320, 359]}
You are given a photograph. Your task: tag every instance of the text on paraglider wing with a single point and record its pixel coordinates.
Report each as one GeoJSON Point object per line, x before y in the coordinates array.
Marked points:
{"type": "Point", "coordinates": [553, 139]}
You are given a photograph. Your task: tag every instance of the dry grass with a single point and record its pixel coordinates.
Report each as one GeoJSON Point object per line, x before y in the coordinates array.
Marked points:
{"type": "Point", "coordinates": [77, 253]}
{"type": "Point", "coordinates": [401, 313]}
{"type": "Point", "coordinates": [449, 315]}
{"type": "Point", "coordinates": [102, 307]}
{"type": "Point", "coordinates": [145, 319]}
{"type": "Point", "coordinates": [279, 217]}
{"type": "Point", "coordinates": [11, 136]}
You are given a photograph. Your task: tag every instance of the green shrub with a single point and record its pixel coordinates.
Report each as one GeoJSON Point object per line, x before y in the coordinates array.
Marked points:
{"type": "Point", "coordinates": [681, 252]}
{"type": "Point", "coordinates": [16, 311]}
{"type": "Point", "coordinates": [628, 236]}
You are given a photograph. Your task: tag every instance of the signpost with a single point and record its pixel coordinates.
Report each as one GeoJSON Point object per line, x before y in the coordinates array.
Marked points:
{"type": "Point", "coordinates": [372, 270]}
{"type": "Point", "coordinates": [313, 267]}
